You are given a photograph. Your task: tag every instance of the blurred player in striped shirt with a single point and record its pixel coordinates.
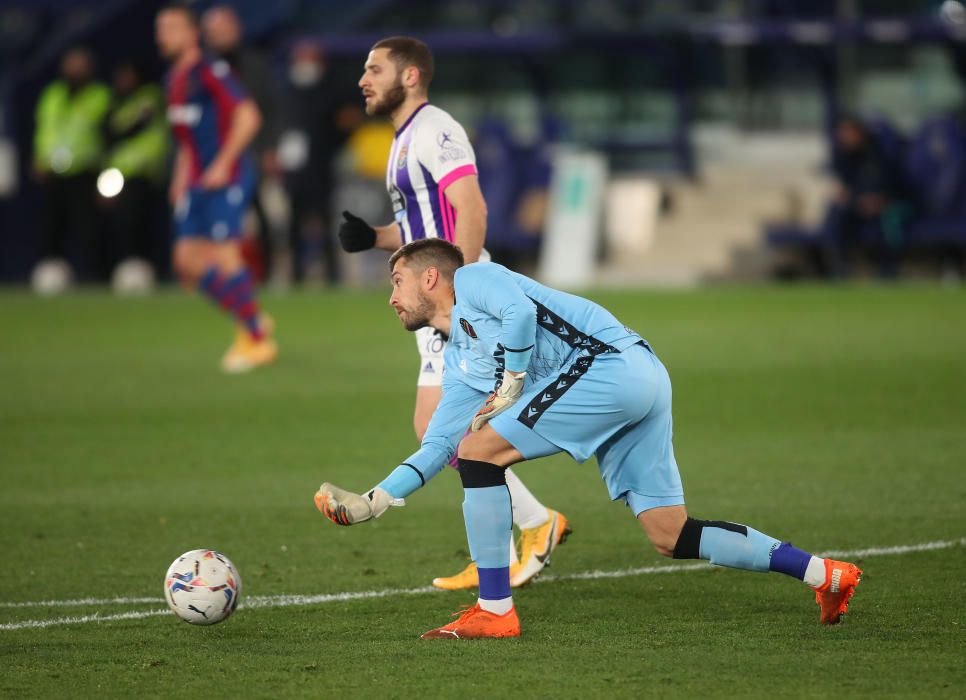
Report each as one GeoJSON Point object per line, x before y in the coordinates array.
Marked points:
{"type": "Point", "coordinates": [214, 121]}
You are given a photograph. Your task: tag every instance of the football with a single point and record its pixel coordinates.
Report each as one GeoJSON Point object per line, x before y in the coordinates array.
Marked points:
{"type": "Point", "coordinates": [202, 587]}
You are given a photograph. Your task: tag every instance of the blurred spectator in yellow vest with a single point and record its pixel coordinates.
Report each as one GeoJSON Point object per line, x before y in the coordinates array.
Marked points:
{"type": "Point", "coordinates": [68, 149]}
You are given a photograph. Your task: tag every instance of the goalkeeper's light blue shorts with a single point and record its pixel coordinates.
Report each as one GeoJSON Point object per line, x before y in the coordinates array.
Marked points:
{"type": "Point", "coordinates": [616, 406]}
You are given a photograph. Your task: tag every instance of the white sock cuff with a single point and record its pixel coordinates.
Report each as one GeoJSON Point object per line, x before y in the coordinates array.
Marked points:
{"type": "Point", "coordinates": [815, 572]}
{"type": "Point", "coordinates": [497, 607]}
{"type": "Point", "coordinates": [528, 512]}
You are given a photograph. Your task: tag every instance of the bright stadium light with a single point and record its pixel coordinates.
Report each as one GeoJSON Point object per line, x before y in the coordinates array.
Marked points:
{"type": "Point", "coordinates": [110, 183]}
{"type": "Point", "coordinates": [953, 12]}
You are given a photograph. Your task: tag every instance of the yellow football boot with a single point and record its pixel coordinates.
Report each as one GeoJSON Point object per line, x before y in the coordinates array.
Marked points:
{"type": "Point", "coordinates": [467, 578]}
{"type": "Point", "coordinates": [536, 545]}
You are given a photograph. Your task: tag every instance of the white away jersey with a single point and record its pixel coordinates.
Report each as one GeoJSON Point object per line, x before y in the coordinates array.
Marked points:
{"type": "Point", "coordinates": [430, 152]}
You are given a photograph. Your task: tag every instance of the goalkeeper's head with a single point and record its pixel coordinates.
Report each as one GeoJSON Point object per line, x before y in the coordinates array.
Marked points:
{"type": "Point", "coordinates": [422, 274]}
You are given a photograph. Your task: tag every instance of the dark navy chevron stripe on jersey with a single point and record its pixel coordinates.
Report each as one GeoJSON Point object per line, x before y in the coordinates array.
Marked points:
{"type": "Point", "coordinates": [550, 321]}
{"type": "Point", "coordinates": [536, 408]}
{"type": "Point", "coordinates": [499, 356]}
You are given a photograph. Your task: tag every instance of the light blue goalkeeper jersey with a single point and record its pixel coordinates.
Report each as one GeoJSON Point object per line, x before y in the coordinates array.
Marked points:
{"type": "Point", "coordinates": [503, 321]}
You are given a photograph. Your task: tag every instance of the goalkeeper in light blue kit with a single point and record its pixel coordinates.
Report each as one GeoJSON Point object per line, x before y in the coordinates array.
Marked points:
{"type": "Point", "coordinates": [534, 372]}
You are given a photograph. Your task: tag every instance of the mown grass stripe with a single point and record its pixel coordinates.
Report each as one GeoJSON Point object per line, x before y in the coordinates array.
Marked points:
{"type": "Point", "coordinates": [277, 601]}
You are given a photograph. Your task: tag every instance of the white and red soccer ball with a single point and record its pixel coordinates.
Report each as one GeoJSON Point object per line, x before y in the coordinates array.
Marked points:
{"type": "Point", "coordinates": [202, 587]}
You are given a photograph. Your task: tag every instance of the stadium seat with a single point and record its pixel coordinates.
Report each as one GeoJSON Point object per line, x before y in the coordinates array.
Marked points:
{"type": "Point", "coordinates": [936, 172]}
{"type": "Point", "coordinates": [507, 170]}
{"type": "Point", "coordinates": [936, 166]}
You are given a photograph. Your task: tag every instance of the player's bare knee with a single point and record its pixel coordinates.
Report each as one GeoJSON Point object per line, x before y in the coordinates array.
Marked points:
{"type": "Point", "coordinates": [185, 264]}
{"type": "Point", "coordinates": [663, 542]}
{"type": "Point", "coordinates": [473, 447]}
{"type": "Point", "coordinates": [487, 445]}
{"type": "Point", "coordinates": [228, 257]}
{"type": "Point", "coordinates": [663, 527]}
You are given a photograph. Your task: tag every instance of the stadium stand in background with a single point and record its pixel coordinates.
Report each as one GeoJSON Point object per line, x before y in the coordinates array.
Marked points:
{"type": "Point", "coordinates": [927, 222]}
{"type": "Point", "coordinates": [650, 86]}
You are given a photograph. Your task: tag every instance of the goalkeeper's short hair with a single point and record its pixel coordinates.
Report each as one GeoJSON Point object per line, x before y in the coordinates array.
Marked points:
{"type": "Point", "coordinates": [430, 252]}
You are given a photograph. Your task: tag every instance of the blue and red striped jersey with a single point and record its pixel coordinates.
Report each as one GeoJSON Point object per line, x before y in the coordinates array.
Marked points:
{"type": "Point", "coordinates": [201, 102]}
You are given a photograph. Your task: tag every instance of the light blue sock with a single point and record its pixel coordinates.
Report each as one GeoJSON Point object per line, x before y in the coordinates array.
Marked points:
{"type": "Point", "coordinates": [737, 546]}
{"type": "Point", "coordinates": [489, 519]}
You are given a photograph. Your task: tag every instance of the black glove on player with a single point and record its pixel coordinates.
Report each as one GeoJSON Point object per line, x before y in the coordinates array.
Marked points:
{"type": "Point", "coordinates": [355, 234]}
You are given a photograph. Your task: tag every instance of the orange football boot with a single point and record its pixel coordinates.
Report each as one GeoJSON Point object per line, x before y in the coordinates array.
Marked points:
{"type": "Point", "coordinates": [833, 596]}
{"type": "Point", "coordinates": [476, 623]}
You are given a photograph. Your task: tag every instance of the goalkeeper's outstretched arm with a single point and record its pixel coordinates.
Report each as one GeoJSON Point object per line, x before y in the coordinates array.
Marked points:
{"type": "Point", "coordinates": [446, 429]}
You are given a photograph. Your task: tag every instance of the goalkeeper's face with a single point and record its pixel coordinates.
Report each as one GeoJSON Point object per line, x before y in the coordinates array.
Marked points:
{"type": "Point", "coordinates": [410, 302]}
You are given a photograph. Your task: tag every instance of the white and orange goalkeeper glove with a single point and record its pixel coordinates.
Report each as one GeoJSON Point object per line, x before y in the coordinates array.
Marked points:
{"type": "Point", "coordinates": [347, 508]}
{"type": "Point", "coordinates": [500, 400]}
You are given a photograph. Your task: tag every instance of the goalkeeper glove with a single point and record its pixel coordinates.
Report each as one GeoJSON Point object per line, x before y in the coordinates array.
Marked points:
{"type": "Point", "coordinates": [355, 234]}
{"type": "Point", "coordinates": [347, 508]}
{"type": "Point", "coordinates": [500, 400]}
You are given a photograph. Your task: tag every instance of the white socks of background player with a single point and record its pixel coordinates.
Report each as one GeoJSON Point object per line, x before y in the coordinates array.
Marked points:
{"type": "Point", "coordinates": [528, 512]}
{"type": "Point", "coordinates": [514, 558]}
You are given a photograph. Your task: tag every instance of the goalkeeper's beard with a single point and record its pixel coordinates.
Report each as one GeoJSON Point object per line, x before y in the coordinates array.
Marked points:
{"type": "Point", "coordinates": [420, 316]}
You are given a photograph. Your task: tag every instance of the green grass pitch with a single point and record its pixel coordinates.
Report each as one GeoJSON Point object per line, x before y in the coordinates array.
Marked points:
{"type": "Point", "coordinates": [833, 417]}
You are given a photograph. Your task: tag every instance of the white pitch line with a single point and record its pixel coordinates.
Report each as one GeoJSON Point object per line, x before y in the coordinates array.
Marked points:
{"type": "Point", "coordinates": [284, 601]}
{"type": "Point", "coordinates": [898, 549]}
{"type": "Point", "coordinates": [623, 573]}
{"type": "Point", "coordinates": [83, 619]}
{"type": "Point", "coordinates": [276, 601]}
{"type": "Point", "coordinates": [80, 602]}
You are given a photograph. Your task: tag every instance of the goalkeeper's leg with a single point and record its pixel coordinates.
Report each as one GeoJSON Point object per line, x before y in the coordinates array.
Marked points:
{"type": "Point", "coordinates": [486, 512]}
{"type": "Point", "coordinates": [675, 534]}
{"type": "Point", "coordinates": [483, 459]}
{"type": "Point", "coordinates": [541, 531]}
{"type": "Point", "coordinates": [638, 465]}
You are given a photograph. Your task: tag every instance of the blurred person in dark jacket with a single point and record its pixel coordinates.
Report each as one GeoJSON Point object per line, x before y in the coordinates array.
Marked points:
{"type": "Point", "coordinates": [317, 118]}
{"type": "Point", "coordinates": [868, 196]}
{"type": "Point", "coordinates": [135, 167]}
{"type": "Point", "coordinates": [68, 148]}
{"type": "Point", "coordinates": [223, 34]}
